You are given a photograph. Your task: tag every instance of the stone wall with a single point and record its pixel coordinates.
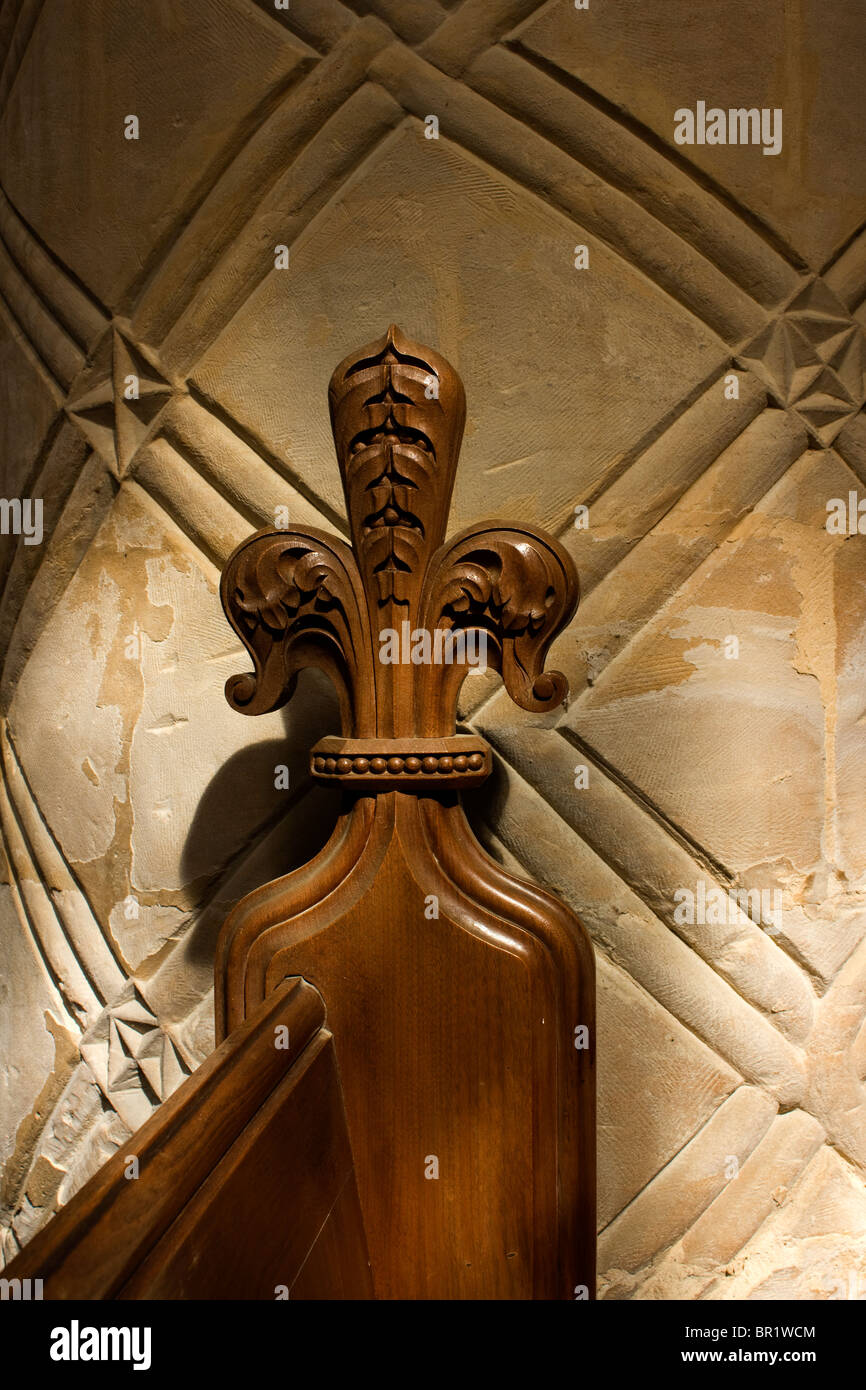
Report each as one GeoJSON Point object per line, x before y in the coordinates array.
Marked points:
{"type": "Point", "coordinates": [669, 335]}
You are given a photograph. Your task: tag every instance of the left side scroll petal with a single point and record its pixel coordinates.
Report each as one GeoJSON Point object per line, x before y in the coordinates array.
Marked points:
{"type": "Point", "coordinates": [294, 598]}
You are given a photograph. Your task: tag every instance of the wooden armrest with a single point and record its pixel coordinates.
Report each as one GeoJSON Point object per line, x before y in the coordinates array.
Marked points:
{"type": "Point", "coordinates": [245, 1185]}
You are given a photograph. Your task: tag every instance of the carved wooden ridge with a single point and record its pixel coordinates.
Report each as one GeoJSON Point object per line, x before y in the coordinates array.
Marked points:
{"type": "Point", "coordinates": [455, 992]}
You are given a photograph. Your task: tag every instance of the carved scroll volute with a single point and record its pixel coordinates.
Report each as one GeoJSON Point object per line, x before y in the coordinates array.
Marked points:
{"type": "Point", "coordinates": [516, 588]}
{"type": "Point", "coordinates": [295, 599]}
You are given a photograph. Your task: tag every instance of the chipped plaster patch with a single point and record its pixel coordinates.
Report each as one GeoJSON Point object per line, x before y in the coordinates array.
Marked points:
{"type": "Point", "coordinates": [70, 742]}
{"type": "Point", "coordinates": [144, 927]}
{"type": "Point", "coordinates": [186, 734]}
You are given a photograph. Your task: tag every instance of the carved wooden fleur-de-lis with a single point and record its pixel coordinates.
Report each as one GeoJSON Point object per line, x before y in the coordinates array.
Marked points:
{"type": "Point", "coordinates": [300, 598]}
{"type": "Point", "coordinates": [453, 990]}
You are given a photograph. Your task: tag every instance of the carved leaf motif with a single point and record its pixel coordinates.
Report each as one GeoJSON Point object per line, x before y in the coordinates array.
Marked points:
{"type": "Point", "coordinates": [274, 582]}
{"type": "Point", "coordinates": [295, 599]}
{"type": "Point", "coordinates": [517, 585]}
{"type": "Point", "coordinates": [397, 442]}
{"type": "Point", "coordinates": [483, 583]}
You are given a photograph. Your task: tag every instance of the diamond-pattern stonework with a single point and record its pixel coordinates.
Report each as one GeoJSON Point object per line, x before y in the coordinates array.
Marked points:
{"type": "Point", "coordinates": [813, 358]}
{"type": "Point", "coordinates": [132, 1058]}
{"type": "Point", "coordinates": [116, 400]}
{"type": "Point", "coordinates": [285, 201]}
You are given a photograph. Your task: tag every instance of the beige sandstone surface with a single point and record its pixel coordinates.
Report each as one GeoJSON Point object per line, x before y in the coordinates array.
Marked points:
{"type": "Point", "coordinates": [135, 806]}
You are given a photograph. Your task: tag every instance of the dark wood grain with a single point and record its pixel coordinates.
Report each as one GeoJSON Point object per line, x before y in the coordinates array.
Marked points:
{"type": "Point", "coordinates": [453, 989]}
{"type": "Point", "coordinates": [252, 1226]}
{"type": "Point", "coordinates": [238, 1172]}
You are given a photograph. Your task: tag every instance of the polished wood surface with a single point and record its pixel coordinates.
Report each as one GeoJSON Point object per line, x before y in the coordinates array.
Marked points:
{"type": "Point", "coordinates": [459, 997]}
{"type": "Point", "coordinates": [242, 1173]}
